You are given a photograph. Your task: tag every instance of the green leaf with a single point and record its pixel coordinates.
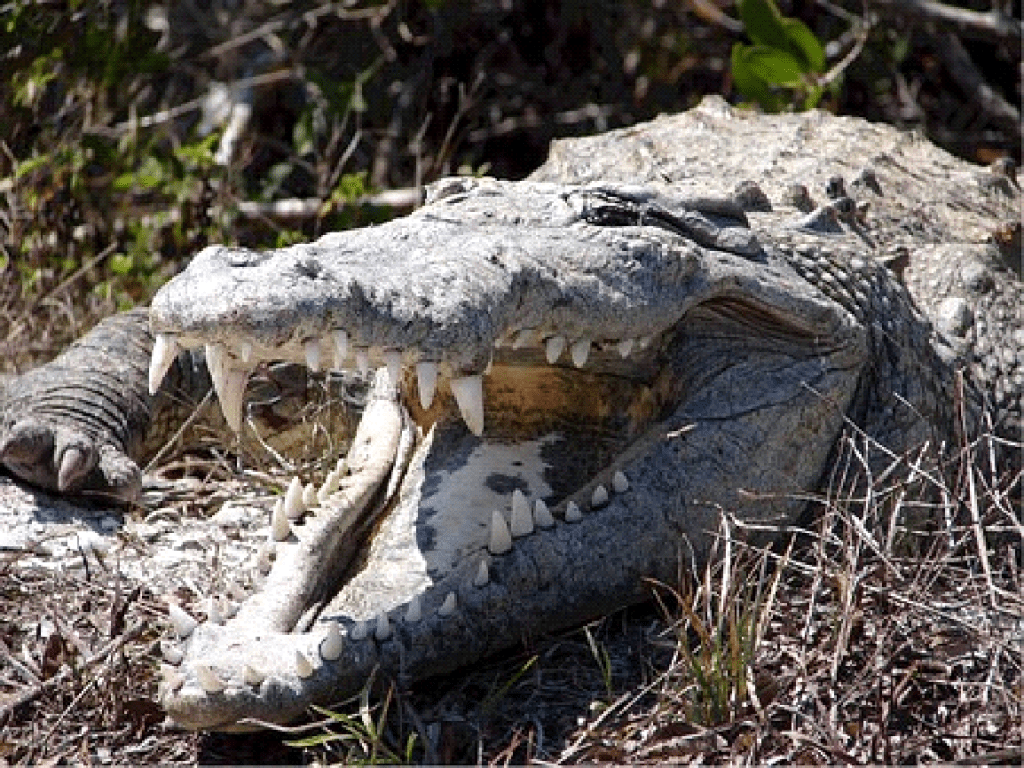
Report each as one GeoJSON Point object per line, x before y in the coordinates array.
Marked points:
{"type": "Point", "coordinates": [767, 27]}
{"type": "Point", "coordinates": [763, 23]}
{"type": "Point", "coordinates": [748, 83]}
{"type": "Point", "coordinates": [801, 39]}
{"type": "Point", "coordinates": [774, 67]}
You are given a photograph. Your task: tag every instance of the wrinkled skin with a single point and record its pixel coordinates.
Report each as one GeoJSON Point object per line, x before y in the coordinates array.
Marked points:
{"type": "Point", "coordinates": [690, 349]}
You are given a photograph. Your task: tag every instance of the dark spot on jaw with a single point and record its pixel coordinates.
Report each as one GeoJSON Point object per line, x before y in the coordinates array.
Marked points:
{"type": "Point", "coordinates": [309, 268]}
{"type": "Point", "coordinates": [505, 484]}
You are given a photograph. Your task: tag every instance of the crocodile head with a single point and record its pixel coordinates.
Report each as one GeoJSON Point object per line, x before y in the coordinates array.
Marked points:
{"type": "Point", "coordinates": [574, 384]}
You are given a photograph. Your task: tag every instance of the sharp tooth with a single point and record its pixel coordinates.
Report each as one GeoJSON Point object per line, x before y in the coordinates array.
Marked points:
{"type": "Point", "coordinates": [415, 610]}
{"type": "Point", "coordinates": [341, 466]}
{"type": "Point", "coordinates": [312, 349]}
{"type": "Point", "coordinates": [331, 483]}
{"type": "Point", "coordinates": [309, 496]}
{"type": "Point", "coordinates": [490, 366]}
{"type": "Point", "coordinates": [280, 530]}
{"type": "Point", "coordinates": [426, 381]}
{"type": "Point", "coordinates": [216, 363]}
{"type": "Point", "coordinates": [620, 483]}
{"type": "Point", "coordinates": [245, 351]}
{"type": "Point", "coordinates": [542, 515]}
{"type": "Point", "coordinates": [469, 394]}
{"type": "Point", "coordinates": [303, 666]}
{"type": "Point", "coordinates": [333, 644]}
{"type": "Point", "coordinates": [482, 575]}
{"type": "Point", "coordinates": [363, 360]}
{"type": "Point", "coordinates": [625, 347]}
{"type": "Point", "coordinates": [553, 348]}
{"type": "Point", "coordinates": [359, 631]}
{"type": "Point", "coordinates": [393, 360]}
{"type": "Point", "coordinates": [340, 339]}
{"type": "Point", "coordinates": [171, 652]}
{"type": "Point", "coordinates": [523, 338]}
{"type": "Point", "coordinates": [213, 614]}
{"type": "Point", "coordinates": [165, 349]}
{"type": "Point", "coordinates": [579, 351]}
{"type": "Point", "coordinates": [294, 504]}
{"type": "Point", "coordinates": [232, 397]}
{"type": "Point", "coordinates": [572, 512]}
{"type": "Point", "coordinates": [208, 679]}
{"type": "Point", "coordinates": [183, 623]}
{"type": "Point", "coordinates": [449, 605]}
{"type": "Point", "coordinates": [251, 677]}
{"type": "Point", "coordinates": [501, 538]}
{"type": "Point", "coordinates": [383, 629]}
{"type": "Point", "coordinates": [522, 520]}
{"type": "Point", "coordinates": [599, 498]}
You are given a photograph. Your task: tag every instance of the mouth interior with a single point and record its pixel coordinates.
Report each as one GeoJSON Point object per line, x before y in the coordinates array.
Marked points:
{"type": "Point", "coordinates": [550, 429]}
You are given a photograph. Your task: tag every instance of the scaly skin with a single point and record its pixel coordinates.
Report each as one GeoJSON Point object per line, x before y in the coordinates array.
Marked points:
{"type": "Point", "coordinates": [754, 332]}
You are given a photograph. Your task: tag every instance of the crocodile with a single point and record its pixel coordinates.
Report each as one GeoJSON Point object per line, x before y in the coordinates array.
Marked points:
{"type": "Point", "coordinates": [568, 383]}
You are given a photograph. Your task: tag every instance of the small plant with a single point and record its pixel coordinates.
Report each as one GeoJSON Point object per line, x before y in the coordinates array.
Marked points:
{"type": "Point", "coordinates": [783, 66]}
{"type": "Point", "coordinates": [361, 739]}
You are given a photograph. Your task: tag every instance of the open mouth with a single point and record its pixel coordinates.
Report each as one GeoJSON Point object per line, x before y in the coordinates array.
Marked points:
{"type": "Point", "coordinates": [524, 459]}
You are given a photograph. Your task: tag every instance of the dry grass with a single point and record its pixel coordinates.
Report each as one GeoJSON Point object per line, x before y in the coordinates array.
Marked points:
{"type": "Point", "coordinates": [863, 640]}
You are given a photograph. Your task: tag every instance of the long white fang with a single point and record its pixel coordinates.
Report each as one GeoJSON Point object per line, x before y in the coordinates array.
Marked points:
{"type": "Point", "coordinates": [363, 360]}
{"type": "Point", "coordinates": [232, 396]}
{"type": "Point", "coordinates": [415, 610]}
{"type": "Point", "coordinates": [522, 519]}
{"type": "Point", "coordinates": [312, 349]}
{"type": "Point", "coordinates": [426, 382]}
{"type": "Point", "coordinates": [359, 631]}
{"type": "Point", "coordinates": [542, 515]}
{"type": "Point", "coordinates": [340, 339]}
{"type": "Point", "coordinates": [303, 666]}
{"type": "Point", "coordinates": [553, 348]}
{"type": "Point", "coordinates": [333, 644]}
{"type": "Point", "coordinates": [279, 526]}
{"type": "Point", "coordinates": [625, 347]}
{"type": "Point", "coordinates": [165, 349]}
{"type": "Point", "coordinates": [216, 362]}
{"type": "Point", "coordinates": [449, 605]}
{"type": "Point", "coordinates": [252, 677]}
{"type": "Point", "coordinates": [501, 538]}
{"type": "Point", "coordinates": [294, 504]}
{"type": "Point", "coordinates": [383, 629]}
{"type": "Point", "coordinates": [580, 351]}
{"type": "Point", "coordinates": [245, 351]}
{"type": "Point", "coordinates": [469, 394]}
{"type": "Point", "coordinates": [599, 498]}
{"type": "Point", "coordinates": [620, 483]}
{"type": "Point", "coordinates": [572, 512]}
{"type": "Point", "coordinates": [171, 652]}
{"type": "Point", "coordinates": [309, 496]}
{"type": "Point", "coordinates": [208, 679]}
{"type": "Point", "coordinates": [483, 575]}
{"type": "Point", "coordinates": [393, 360]}
{"type": "Point", "coordinates": [183, 623]}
